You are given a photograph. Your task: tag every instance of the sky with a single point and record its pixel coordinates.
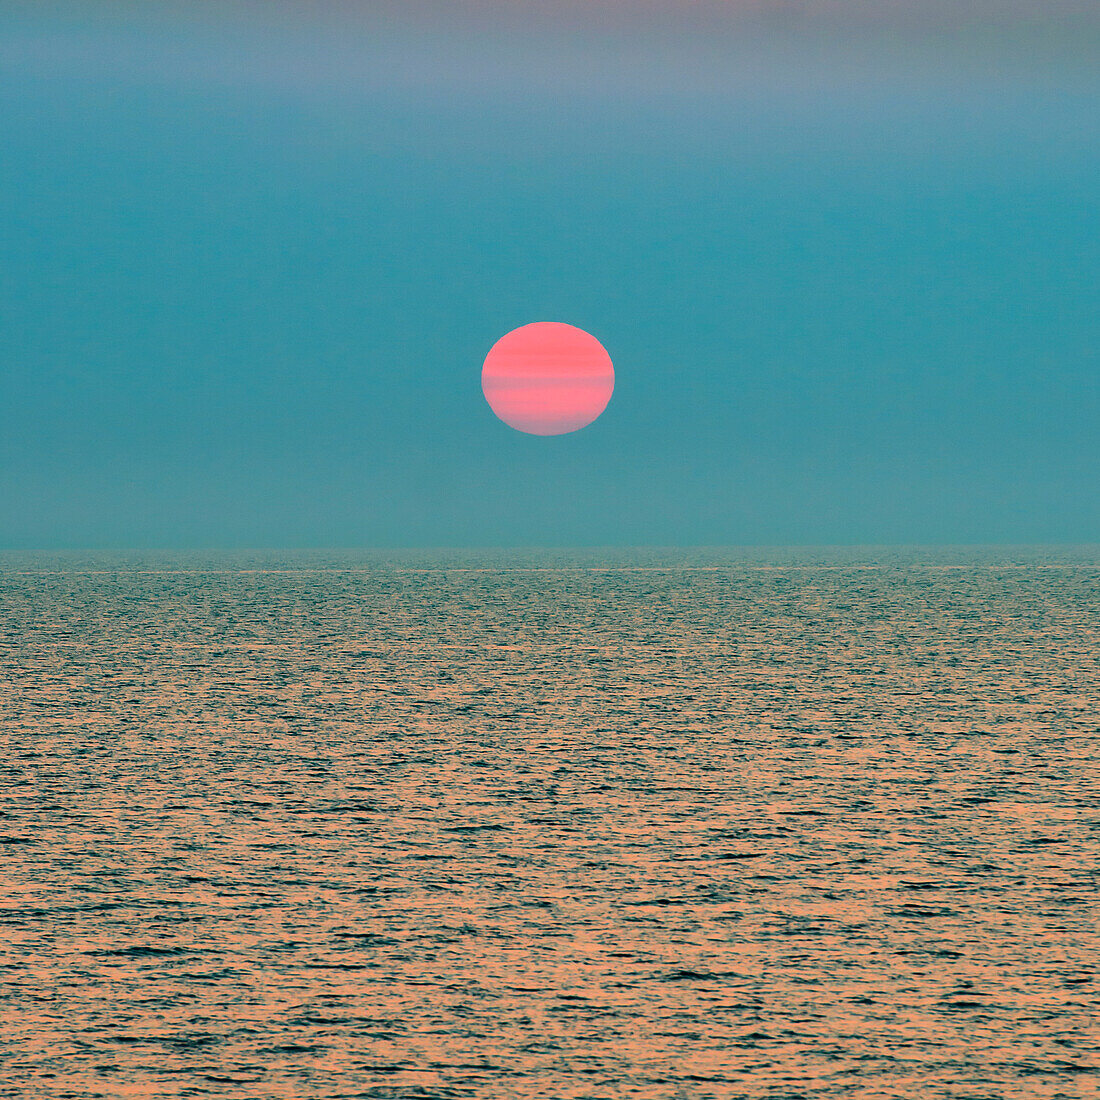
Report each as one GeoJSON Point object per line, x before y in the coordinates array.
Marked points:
{"type": "Point", "coordinates": [843, 256]}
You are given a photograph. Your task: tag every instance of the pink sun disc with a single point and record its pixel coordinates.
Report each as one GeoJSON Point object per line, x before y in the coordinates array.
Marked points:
{"type": "Point", "coordinates": [547, 378]}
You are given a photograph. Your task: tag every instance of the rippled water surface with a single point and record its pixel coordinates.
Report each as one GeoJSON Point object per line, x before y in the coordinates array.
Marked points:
{"type": "Point", "coordinates": [681, 826]}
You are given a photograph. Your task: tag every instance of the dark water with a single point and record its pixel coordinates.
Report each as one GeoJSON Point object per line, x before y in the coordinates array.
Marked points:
{"type": "Point", "coordinates": [665, 826]}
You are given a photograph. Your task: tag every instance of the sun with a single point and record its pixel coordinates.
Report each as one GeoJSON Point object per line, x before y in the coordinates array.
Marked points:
{"type": "Point", "coordinates": [548, 378]}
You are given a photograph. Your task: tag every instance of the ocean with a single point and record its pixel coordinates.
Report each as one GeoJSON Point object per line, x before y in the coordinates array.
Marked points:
{"type": "Point", "coordinates": [650, 824]}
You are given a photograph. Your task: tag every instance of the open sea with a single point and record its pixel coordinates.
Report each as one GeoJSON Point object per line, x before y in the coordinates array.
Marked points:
{"type": "Point", "coordinates": [761, 823]}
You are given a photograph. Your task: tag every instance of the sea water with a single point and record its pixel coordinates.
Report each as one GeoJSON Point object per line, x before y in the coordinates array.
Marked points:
{"type": "Point", "coordinates": [535, 825]}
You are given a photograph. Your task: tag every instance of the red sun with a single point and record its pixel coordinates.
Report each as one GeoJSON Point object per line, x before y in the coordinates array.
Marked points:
{"type": "Point", "coordinates": [547, 378]}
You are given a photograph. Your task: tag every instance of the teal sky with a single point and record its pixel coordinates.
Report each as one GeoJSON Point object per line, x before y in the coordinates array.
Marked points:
{"type": "Point", "coordinates": [844, 258]}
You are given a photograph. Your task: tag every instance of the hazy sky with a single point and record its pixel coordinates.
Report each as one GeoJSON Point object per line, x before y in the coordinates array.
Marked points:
{"type": "Point", "coordinates": [844, 258]}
